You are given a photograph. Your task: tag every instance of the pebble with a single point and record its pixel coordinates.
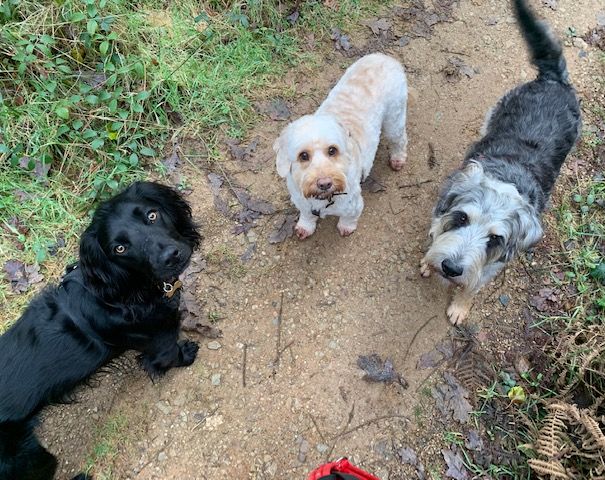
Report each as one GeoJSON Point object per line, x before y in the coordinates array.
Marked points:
{"type": "Point", "coordinates": [214, 421]}
{"type": "Point", "coordinates": [579, 43]}
{"type": "Point", "coordinates": [322, 447]}
{"type": "Point", "coordinates": [216, 379]}
{"type": "Point", "coordinates": [214, 345]}
{"type": "Point", "coordinates": [162, 457]}
{"type": "Point", "coordinates": [522, 364]}
{"type": "Point", "coordinates": [164, 408]}
{"type": "Point", "coordinates": [504, 300]}
{"type": "Point", "coordinates": [303, 449]}
{"type": "Point", "coordinates": [252, 236]}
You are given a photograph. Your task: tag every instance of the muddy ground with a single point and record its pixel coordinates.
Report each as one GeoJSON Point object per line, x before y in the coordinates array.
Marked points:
{"type": "Point", "coordinates": [280, 394]}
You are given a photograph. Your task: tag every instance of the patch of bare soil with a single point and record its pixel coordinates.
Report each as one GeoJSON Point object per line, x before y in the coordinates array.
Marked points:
{"type": "Point", "coordinates": [281, 390]}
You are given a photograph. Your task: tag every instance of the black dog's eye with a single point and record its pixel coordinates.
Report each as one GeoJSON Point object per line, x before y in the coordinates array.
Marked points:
{"type": "Point", "coordinates": [152, 216]}
{"type": "Point", "coordinates": [303, 156]}
{"type": "Point", "coordinates": [494, 241]}
{"type": "Point", "coordinates": [332, 151]}
{"type": "Point", "coordinates": [120, 249]}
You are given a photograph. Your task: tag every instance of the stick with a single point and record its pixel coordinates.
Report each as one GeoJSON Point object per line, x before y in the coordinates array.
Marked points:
{"type": "Point", "coordinates": [278, 350]}
{"type": "Point", "coordinates": [407, 352]}
{"type": "Point", "coordinates": [393, 211]}
{"type": "Point", "coordinates": [244, 365]}
{"type": "Point", "coordinates": [369, 422]}
{"type": "Point", "coordinates": [432, 160]}
{"type": "Point", "coordinates": [321, 435]}
{"type": "Point", "coordinates": [417, 184]}
{"type": "Point", "coordinates": [445, 50]}
{"type": "Point", "coordinates": [349, 420]}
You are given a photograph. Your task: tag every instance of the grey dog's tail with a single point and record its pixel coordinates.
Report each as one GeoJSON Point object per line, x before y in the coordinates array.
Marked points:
{"type": "Point", "coordinates": [546, 52]}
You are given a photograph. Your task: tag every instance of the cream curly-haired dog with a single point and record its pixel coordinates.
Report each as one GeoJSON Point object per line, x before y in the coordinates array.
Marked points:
{"type": "Point", "coordinates": [325, 156]}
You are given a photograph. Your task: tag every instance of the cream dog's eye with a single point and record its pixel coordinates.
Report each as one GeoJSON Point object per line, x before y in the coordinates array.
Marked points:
{"type": "Point", "coordinates": [152, 216]}
{"type": "Point", "coordinates": [303, 156]}
{"type": "Point", "coordinates": [120, 249]}
{"type": "Point", "coordinates": [332, 151]}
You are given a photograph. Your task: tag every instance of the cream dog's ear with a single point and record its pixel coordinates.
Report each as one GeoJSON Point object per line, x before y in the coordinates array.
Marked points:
{"type": "Point", "coordinates": [281, 161]}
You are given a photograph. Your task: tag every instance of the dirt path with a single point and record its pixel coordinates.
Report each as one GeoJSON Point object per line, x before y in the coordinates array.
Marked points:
{"type": "Point", "coordinates": [341, 297]}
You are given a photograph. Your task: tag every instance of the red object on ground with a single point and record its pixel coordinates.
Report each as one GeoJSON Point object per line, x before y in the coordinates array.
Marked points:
{"type": "Point", "coordinates": [341, 469]}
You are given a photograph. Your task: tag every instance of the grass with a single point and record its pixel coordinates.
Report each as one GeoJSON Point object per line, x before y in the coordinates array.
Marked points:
{"type": "Point", "coordinates": [91, 91]}
{"type": "Point", "coordinates": [109, 440]}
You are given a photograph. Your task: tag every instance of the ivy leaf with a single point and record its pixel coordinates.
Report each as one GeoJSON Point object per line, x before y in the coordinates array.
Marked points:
{"type": "Point", "coordinates": [104, 48]}
{"type": "Point", "coordinates": [144, 95]}
{"type": "Point", "coordinates": [113, 105]}
{"type": "Point", "coordinates": [76, 17]}
{"type": "Point", "coordinates": [91, 27]}
{"type": "Point", "coordinates": [598, 273]}
{"type": "Point", "coordinates": [148, 152]}
{"type": "Point", "coordinates": [62, 112]}
{"type": "Point", "coordinates": [97, 143]}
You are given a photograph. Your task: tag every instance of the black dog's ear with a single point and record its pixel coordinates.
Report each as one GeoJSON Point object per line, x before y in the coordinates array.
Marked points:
{"type": "Point", "coordinates": [174, 205]}
{"type": "Point", "coordinates": [99, 272]}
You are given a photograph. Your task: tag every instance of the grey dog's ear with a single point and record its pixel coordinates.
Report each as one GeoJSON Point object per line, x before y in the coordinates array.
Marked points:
{"type": "Point", "coordinates": [446, 199]}
{"type": "Point", "coordinates": [458, 183]}
{"type": "Point", "coordinates": [281, 160]}
{"type": "Point", "coordinates": [526, 231]}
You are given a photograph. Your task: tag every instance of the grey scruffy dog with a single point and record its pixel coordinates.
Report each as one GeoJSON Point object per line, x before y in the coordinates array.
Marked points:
{"type": "Point", "coordinates": [490, 209]}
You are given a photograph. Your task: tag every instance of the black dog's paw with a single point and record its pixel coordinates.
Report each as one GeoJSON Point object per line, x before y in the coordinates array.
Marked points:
{"type": "Point", "coordinates": [82, 476]}
{"type": "Point", "coordinates": [188, 352]}
{"type": "Point", "coordinates": [151, 366]}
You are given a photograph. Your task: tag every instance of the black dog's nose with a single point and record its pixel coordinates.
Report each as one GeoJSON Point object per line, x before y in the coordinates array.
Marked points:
{"type": "Point", "coordinates": [450, 269]}
{"type": "Point", "coordinates": [324, 183]}
{"type": "Point", "coordinates": [170, 256]}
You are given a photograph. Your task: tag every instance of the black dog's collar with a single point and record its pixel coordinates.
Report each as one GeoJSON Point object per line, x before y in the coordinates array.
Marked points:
{"type": "Point", "coordinates": [170, 289]}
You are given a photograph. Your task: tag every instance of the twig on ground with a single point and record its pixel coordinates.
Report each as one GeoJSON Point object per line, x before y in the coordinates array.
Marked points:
{"type": "Point", "coordinates": [319, 432]}
{"type": "Point", "coordinates": [445, 50]}
{"type": "Point", "coordinates": [435, 368]}
{"type": "Point", "coordinates": [244, 365]}
{"type": "Point", "coordinates": [393, 211]}
{"type": "Point", "coordinates": [417, 184]}
{"type": "Point", "coordinates": [278, 349]}
{"type": "Point", "coordinates": [432, 160]}
{"type": "Point", "coordinates": [370, 422]}
{"type": "Point", "coordinates": [231, 187]}
{"type": "Point", "coordinates": [286, 347]}
{"type": "Point", "coordinates": [203, 420]}
{"type": "Point", "coordinates": [335, 439]}
{"type": "Point", "coordinates": [407, 352]}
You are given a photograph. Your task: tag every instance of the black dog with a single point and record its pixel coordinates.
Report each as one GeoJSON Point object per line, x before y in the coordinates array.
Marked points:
{"type": "Point", "coordinates": [123, 294]}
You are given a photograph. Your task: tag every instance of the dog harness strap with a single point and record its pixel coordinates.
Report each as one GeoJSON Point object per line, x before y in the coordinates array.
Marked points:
{"type": "Point", "coordinates": [338, 476]}
{"type": "Point", "coordinates": [340, 470]}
